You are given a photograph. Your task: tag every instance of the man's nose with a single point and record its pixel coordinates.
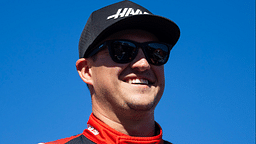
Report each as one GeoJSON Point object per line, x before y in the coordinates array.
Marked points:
{"type": "Point", "coordinates": [140, 62]}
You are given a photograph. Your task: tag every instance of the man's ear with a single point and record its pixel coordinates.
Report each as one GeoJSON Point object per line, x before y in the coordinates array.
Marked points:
{"type": "Point", "coordinates": [83, 69]}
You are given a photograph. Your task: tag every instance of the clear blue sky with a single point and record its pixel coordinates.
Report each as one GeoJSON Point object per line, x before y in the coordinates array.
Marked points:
{"type": "Point", "coordinates": [210, 76]}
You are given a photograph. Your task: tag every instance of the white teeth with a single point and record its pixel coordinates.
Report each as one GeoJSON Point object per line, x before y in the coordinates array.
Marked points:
{"type": "Point", "coordinates": [137, 81]}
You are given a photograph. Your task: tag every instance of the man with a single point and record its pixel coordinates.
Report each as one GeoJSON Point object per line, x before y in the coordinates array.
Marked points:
{"type": "Point", "coordinates": [122, 51]}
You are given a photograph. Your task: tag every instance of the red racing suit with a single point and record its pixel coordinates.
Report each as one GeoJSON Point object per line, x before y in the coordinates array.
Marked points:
{"type": "Point", "coordinates": [100, 133]}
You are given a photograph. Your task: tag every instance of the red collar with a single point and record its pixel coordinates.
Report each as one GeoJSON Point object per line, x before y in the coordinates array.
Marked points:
{"type": "Point", "coordinates": [99, 132]}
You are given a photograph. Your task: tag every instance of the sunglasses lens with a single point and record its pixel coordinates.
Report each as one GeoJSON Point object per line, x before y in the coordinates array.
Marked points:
{"type": "Point", "coordinates": [123, 51]}
{"type": "Point", "coordinates": [157, 53]}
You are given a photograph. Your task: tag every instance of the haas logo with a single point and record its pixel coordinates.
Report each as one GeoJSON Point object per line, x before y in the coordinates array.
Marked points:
{"type": "Point", "coordinates": [126, 12]}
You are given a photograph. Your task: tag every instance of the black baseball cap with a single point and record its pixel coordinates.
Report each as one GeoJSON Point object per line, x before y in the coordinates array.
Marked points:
{"type": "Point", "coordinates": [125, 15]}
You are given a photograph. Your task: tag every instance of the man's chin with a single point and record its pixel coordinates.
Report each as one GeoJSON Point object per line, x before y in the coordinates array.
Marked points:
{"type": "Point", "coordinates": [142, 107]}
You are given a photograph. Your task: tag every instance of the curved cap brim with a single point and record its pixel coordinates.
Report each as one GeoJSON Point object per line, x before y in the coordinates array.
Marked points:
{"type": "Point", "coordinates": [164, 29]}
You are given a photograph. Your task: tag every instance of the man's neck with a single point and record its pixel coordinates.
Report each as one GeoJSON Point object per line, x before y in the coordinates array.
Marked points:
{"type": "Point", "coordinates": [133, 123]}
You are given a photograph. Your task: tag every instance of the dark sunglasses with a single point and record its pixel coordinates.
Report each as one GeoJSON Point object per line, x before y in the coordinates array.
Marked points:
{"type": "Point", "coordinates": [125, 51]}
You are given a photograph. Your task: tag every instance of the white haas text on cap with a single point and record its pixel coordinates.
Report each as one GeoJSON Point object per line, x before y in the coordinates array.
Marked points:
{"type": "Point", "coordinates": [126, 12]}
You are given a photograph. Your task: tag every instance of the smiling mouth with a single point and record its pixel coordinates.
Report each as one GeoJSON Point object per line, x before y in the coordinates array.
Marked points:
{"type": "Point", "coordinates": [138, 81]}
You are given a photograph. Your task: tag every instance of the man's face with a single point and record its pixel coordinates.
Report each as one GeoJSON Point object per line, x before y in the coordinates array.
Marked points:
{"type": "Point", "coordinates": [123, 86]}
